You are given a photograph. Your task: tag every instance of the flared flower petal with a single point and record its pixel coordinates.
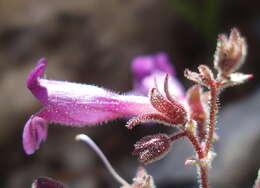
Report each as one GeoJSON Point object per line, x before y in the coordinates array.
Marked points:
{"type": "Point", "coordinates": [78, 104]}
{"type": "Point", "coordinates": [35, 131]}
{"type": "Point", "coordinates": [33, 84]}
{"type": "Point", "coordinates": [145, 65]}
{"type": "Point", "coordinates": [152, 68]}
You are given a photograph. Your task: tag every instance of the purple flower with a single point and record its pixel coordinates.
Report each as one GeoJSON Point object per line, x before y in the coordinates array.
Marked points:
{"type": "Point", "coordinates": [152, 68]}
{"type": "Point", "coordinates": [74, 104]}
{"type": "Point", "coordinates": [79, 105]}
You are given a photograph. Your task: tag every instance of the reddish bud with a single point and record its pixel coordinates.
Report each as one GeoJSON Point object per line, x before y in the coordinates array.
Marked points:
{"type": "Point", "coordinates": [45, 182]}
{"type": "Point", "coordinates": [230, 53]}
{"type": "Point", "coordinates": [152, 148]}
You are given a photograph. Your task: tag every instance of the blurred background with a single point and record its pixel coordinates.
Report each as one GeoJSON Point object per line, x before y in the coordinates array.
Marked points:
{"type": "Point", "coordinates": [94, 41]}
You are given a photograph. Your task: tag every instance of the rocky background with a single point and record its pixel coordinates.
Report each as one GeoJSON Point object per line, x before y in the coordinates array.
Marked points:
{"type": "Point", "coordinates": [94, 41]}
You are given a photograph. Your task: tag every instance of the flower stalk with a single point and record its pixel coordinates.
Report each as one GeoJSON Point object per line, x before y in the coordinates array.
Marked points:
{"type": "Point", "coordinates": [203, 176]}
{"type": "Point", "coordinates": [212, 116]}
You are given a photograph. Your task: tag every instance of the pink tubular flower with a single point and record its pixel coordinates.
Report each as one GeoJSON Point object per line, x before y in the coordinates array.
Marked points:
{"type": "Point", "coordinates": [75, 105]}
{"type": "Point", "coordinates": [149, 69]}
{"type": "Point", "coordinates": [78, 105]}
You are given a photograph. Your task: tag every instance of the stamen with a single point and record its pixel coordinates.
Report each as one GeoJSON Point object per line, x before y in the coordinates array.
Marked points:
{"type": "Point", "coordinates": [96, 149]}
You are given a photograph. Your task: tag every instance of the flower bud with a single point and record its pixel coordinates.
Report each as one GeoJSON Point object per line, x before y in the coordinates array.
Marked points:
{"type": "Point", "coordinates": [152, 148]}
{"type": "Point", "coordinates": [45, 182]}
{"type": "Point", "coordinates": [230, 53]}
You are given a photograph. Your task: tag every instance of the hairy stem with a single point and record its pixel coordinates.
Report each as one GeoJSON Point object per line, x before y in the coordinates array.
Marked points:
{"type": "Point", "coordinates": [195, 144]}
{"type": "Point", "coordinates": [203, 176]}
{"type": "Point", "coordinates": [212, 116]}
{"type": "Point", "coordinates": [202, 170]}
{"type": "Point", "coordinates": [177, 136]}
{"type": "Point", "coordinates": [201, 131]}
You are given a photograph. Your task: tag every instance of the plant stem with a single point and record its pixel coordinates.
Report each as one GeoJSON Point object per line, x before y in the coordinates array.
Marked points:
{"type": "Point", "coordinates": [203, 176]}
{"type": "Point", "coordinates": [195, 144]}
{"type": "Point", "coordinates": [202, 169]}
{"type": "Point", "coordinates": [177, 136]}
{"type": "Point", "coordinates": [212, 116]}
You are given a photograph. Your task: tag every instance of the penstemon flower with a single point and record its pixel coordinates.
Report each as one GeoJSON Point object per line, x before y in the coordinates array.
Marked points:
{"type": "Point", "coordinates": [75, 104]}
{"type": "Point", "coordinates": [150, 69]}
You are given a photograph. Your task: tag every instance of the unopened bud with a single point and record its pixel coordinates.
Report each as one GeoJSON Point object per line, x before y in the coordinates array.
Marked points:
{"type": "Point", "coordinates": [152, 148]}
{"type": "Point", "coordinates": [230, 53]}
{"type": "Point", "coordinates": [46, 182]}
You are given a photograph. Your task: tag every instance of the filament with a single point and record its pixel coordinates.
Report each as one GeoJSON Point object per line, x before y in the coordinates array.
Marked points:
{"type": "Point", "coordinates": [96, 149]}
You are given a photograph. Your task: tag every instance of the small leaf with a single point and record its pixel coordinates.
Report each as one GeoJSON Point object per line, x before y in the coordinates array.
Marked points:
{"type": "Point", "coordinates": [236, 79]}
{"type": "Point", "coordinates": [239, 78]}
